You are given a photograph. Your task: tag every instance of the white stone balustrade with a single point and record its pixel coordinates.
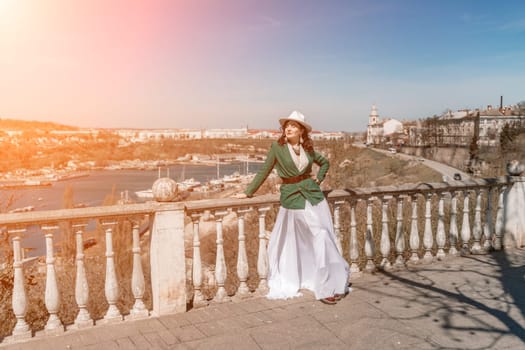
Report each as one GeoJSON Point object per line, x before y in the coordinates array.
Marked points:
{"type": "Point", "coordinates": [354, 217]}
{"type": "Point", "coordinates": [220, 262]}
{"type": "Point", "coordinates": [83, 318]}
{"type": "Point", "coordinates": [262, 256]}
{"type": "Point", "coordinates": [52, 298]}
{"type": "Point", "coordinates": [138, 285]}
{"type": "Point", "coordinates": [242, 255]}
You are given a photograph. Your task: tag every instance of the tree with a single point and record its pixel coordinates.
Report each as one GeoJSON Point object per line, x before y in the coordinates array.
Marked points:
{"type": "Point", "coordinates": [521, 107]}
{"type": "Point", "coordinates": [473, 147]}
{"type": "Point", "coordinates": [507, 136]}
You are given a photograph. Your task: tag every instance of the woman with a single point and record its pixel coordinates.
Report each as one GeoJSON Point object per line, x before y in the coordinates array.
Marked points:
{"type": "Point", "coordinates": [302, 252]}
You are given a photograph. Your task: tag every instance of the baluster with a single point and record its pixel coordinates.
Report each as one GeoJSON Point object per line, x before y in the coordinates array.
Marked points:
{"type": "Point", "coordinates": [414, 233]}
{"type": "Point", "coordinates": [337, 225]}
{"type": "Point", "coordinates": [198, 298]}
{"type": "Point", "coordinates": [220, 262]}
{"type": "Point", "coordinates": [385, 237]}
{"type": "Point", "coordinates": [138, 285]}
{"type": "Point", "coordinates": [476, 230]}
{"type": "Point", "coordinates": [441, 238]}
{"type": "Point", "coordinates": [453, 234]}
{"type": "Point", "coordinates": [487, 227]}
{"type": "Point", "coordinates": [111, 284]}
{"type": "Point", "coordinates": [242, 257]}
{"type": "Point", "coordinates": [354, 249]}
{"type": "Point", "coordinates": [369, 238]}
{"type": "Point", "coordinates": [498, 241]}
{"type": "Point", "coordinates": [52, 298]}
{"type": "Point", "coordinates": [19, 298]}
{"type": "Point", "coordinates": [262, 258]}
{"type": "Point", "coordinates": [83, 318]}
{"type": "Point", "coordinates": [428, 238]}
{"type": "Point", "coordinates": [465, 226]}
{"type": "Point", "coordinates": [400, 235]}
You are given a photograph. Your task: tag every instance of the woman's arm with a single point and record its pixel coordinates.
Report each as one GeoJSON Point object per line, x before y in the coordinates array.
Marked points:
{"type": "Point", "coordinates": [263, 173]}
{"type": "Point", "coordinates": [324, 165]}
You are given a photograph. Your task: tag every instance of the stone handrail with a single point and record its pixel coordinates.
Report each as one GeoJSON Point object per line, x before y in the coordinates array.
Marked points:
{"type": "Point", "coordinates": [395, 230]}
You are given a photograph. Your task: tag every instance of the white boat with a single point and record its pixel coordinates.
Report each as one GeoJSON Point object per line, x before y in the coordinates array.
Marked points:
{"type": "Point", "coordinates": [23, 209]}
{"type": "Point", "coordinates": [188, 184]}
{"type": "Point", "coordinates": [146, 194]}
{"type": "Point", "coordinates": [235, 177]}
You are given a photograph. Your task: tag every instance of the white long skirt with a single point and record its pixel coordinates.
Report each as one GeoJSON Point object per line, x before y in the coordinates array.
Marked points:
{"type": "Point", "coordinates": [302, 253]}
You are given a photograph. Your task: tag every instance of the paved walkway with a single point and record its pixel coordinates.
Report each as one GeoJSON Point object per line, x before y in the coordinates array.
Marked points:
{"type": "Point", "coordinates": [474, 302]}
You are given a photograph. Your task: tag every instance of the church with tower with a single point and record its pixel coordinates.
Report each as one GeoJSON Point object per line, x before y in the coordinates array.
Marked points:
{"type": "Point", "coordinates": [377, 130]}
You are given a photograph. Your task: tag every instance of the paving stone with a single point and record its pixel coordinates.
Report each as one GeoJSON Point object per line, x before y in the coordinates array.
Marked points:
{"type": "Point", "coordinates": [473, 302]}
{"type": "Point", "coordinates": [196, 316]}
{"type": "Point", "coordinates": [107, 345]}
{"type": "Point", "coordinates": [156, 341]}
{"type": "Point", "coordinates": [140, 341]}
{"type": "Point", "coordinates": [126, 343]}
{"type": "Point", "coordinates": [253, 306]}
{"type": "Point", "coordinates": [264, 316]}
{"type": "Point", "coordinates": [250, 320]}
{"type": "Point", "coordinates": [305, 332]}
{"type": "Point", "coordinates": [168, 337]}
{"type": "Point", "coordinates": [212, 328]}
{"type": "Point", "coordinates": [149, 325]}
{"type": "Point", "coordinates": [187, 333]}
{"type": "Point", "coordinates": [174, 321]}
{"type": "Point", "coordinates": [239, 341]}
{"type": "Point", "coordinates": [230, 309]}
{"type": "Point", "coordinates": [373, 333]}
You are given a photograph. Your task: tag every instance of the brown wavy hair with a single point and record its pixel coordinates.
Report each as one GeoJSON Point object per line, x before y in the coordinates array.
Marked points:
{"type": "Point", "coordinates": [308, 143]}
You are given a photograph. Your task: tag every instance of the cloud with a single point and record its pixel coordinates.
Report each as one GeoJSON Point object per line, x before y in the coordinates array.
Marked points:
{"type": "Point", "coordinates": [514, 26]}
{"type": "Point", "coordinates": [270, 21]}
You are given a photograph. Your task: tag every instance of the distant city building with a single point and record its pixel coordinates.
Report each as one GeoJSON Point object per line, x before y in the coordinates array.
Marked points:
{"type": "Point", "coordinates": [459, 127]}
{"type": "Point", "coordinates": [378, 131]}
{"type": "Point", "coordinates": [225, 133]}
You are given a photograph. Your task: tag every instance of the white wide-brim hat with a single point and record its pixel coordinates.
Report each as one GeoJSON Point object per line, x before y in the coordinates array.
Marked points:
{"type": "Point", "coordinates": [296, 117]}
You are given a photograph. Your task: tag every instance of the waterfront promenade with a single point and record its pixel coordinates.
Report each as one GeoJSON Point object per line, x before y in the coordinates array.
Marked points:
{"type": "Point", "coordinates": [469, 302]}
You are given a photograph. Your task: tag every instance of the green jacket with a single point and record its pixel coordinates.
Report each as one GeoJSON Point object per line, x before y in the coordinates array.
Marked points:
{"type": "Point", "coordinates": [293, 196]}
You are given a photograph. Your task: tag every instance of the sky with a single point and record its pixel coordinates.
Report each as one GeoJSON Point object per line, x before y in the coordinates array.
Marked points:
{"type": "Point", "coordinates": [247, 63]}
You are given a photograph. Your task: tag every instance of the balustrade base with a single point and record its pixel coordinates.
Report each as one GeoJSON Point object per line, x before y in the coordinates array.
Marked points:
{"type": "Point", "coordinates": [453, 251]}
{"type": "Point", "coordinates": [111, 320]}
{"type": "Point", "coordinates": [354, 268]}
{"type": "Point", "coordinates": [386, 265]}
{"type": "Point", "coordinates": [138, 314]}
{"type": "Point", "coordinates": [19, 337]}
{"type": "Point", "coordinates": [54, 331]}
{"type": "Point", "coordinates": [82, 324]}
{"type": "Point", "coordinates": [199, 304]}
{"type": "Point", "coordinates": [400, 262]}
{"type": "Point", "coordinates": [477, 249]}
{"type": "Point", "coordinates": [54, 326]}
{"type": "Point", "coordinates": [428, 258]}
{"type": "Point", "coordinates": [242, 296]}
{"type": "Point", "coordinates": [464, 251]}
{"type": "Point", "coordinates": [226, 299]}
{"type": "Point", "coordinates": [355, 275]}
{"type": "Point", "coordinates": [414, 258]}
{"type": "Point", "coordinates": [370, 267]}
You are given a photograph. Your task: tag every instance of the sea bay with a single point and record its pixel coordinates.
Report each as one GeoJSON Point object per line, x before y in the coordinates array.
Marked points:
{"type": "Point", "coordinates": [91, 190]}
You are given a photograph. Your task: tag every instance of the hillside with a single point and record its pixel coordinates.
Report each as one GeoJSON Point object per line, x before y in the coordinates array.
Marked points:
{"type": "Point", "coordinates": [15, 124]}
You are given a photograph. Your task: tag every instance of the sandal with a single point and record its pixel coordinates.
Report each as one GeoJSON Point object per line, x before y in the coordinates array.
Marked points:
{"type": "Point", "coordinates": [329, 300]}
{"type": "Point", "coordinates": [340, 296]}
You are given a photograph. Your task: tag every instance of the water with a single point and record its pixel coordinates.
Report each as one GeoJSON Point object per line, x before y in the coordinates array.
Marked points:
{"type": "Point", "coordinates": [91, 190]}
